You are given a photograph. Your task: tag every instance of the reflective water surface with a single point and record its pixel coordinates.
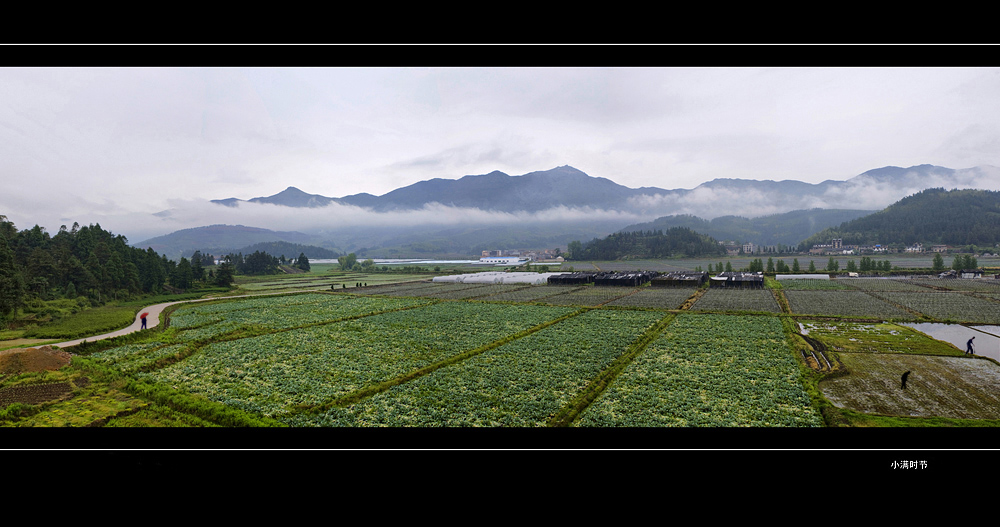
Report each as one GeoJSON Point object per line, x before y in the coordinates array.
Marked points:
{"type": "Point", "coordinates": [987, 341]}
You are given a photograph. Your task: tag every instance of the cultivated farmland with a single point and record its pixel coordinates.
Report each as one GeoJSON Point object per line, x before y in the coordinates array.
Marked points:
{"type": "Point", "coordinates": [425, 354]}
{"type": "Point", "coordinates": [956, 387]}
{"type": "Point", "coordinates": [709, 370]}
{"type": "Point", "coordinates": [844, 303]}
{"type": "Point", "coordinates": [722, 299]}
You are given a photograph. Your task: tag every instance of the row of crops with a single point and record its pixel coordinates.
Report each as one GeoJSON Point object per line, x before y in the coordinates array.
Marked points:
{"type": "Point", "coordinates": [867, 298]}
{"type": "Point", "coordinates": [330, 359]}
{"type": "Point", "coordinates": [455, 354]}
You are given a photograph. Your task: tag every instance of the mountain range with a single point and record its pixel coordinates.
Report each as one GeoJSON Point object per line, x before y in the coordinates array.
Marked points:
{"type": "Point", "coordinates": [553, 207]}
{"type": "Point", "coordinates": [569, 187]}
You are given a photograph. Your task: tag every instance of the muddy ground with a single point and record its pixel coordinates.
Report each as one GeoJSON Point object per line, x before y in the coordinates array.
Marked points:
{"type": "Point", "coordinates": [17, 360]}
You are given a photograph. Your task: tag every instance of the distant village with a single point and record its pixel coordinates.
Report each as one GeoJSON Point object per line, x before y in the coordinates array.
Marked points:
{"type": "Point", "coordinates": [837, 247]}
{"type": "Point", "coordinates": [521, 256]}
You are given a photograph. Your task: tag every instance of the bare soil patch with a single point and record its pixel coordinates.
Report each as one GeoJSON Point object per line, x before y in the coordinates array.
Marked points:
{"type": "Point", "coordinates": [19, 360]}
{"type": "Point", "coordinates": [34, 393]}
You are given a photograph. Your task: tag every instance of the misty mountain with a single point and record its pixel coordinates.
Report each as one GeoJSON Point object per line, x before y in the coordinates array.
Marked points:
{"type": "Point", "coordinates": [571, 188]}
{"type": "Point", "coordinates": [217, 240]}
{"type": "Point", "coordinates": [550, 208]}
{"type": "Point", "coordinates": [470, 241]}
{"type": "Point", "coordinates": [789, 228]}
{"type": "Point", "coordinates": [536, 191]}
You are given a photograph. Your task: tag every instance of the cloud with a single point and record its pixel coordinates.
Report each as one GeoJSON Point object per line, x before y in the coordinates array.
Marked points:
{"type": "Point", "coordinates": [184, 214]}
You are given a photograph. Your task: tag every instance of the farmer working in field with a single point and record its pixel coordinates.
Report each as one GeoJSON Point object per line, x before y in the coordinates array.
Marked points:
{"type": "Point", "coordinates": [905, 375]}
{"type": "Point", "coordinates": [968, 347]}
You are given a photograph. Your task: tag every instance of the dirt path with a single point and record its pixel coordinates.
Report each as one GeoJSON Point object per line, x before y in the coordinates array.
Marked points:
{"type": "Point", "coordinates": [153, 319]}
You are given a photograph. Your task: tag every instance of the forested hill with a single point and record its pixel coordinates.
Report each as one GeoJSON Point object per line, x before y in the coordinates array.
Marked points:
{"type": "Point", "coordinates": [291, 250]}
{"type": "Point", "coordinates": [673, 243]}
{"type": "Point", "coordinates": [788, 228]}
{"type": "Point", "coordinates": [932, 216]}
{"type": "Point", "coordinates": [81, 261]}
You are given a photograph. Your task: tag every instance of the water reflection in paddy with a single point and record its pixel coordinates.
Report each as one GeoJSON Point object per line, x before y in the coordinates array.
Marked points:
{"type": "Point", "coordinates": [987, 341]}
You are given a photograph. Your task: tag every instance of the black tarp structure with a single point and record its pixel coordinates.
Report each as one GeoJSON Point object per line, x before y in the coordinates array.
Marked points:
{"type": "Point", "coordinates": [625, 279]}
{"type": "Point", "coordinates": [572, 278]}
{"type": "Point", "coordinates": [739, 280]}
{"type": "Point", "coordinates": [680, 279]}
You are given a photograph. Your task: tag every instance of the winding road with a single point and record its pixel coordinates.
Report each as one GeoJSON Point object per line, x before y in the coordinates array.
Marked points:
{"type": "Point", "coordinates": [153, 319]}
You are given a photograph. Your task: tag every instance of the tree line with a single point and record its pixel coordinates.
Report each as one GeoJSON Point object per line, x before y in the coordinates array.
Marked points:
{"type": "Point", "coordinates": [79, 261]}
{"type": "Point", "coordinates": [675, 242]}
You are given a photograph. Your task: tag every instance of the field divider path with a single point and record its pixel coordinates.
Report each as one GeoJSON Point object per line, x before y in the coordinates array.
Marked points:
{"type": "Point", "coordinates": [630, 293]}
{"type": "Point", "coordinates": [779, 296]}
{"type": "Point", "coordinates": [909, 310]}
{"type": "Point", "coordinates": [686, 306]}
{"type": "Point", "coordinates": [568, 413]}
{"type": "Point", "coordinates": [369, 391]}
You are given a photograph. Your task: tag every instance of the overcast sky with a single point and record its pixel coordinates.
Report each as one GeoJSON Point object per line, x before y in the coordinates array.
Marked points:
{"type": "Point", "coordinates": [114, 145]}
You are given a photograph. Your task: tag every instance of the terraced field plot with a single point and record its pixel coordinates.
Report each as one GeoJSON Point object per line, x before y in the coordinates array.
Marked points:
{"type": "Point", "coordinates": [319, 281]}
{"type": "Point", "coordinates": [281, 312]}
{"type": "Point", "coordinates": [882, 284]}
{"type": "Point", "coordinates": [589, 296]}
{"type": "Point", "coordinates": [814, 285]}
{"type": "Point", "coordinates": [655, 297]}
{"type": "Point", "coordinates": [990, 285]}
{"type": "Point", "coordinates": [402, 289]}
{"type": "Point", "coordinates": [709, 370]}
{"type": "Point", "coordinates": [875, 338]}
{"type": "Point", "coordinates": [632, 265]}
{"type": "Point", "coordinates": [957, 387]}
{"type": "Point", "coordinates": [531, 293]}
{"type": "Point", "coordinates": [521, 383]}
{"type": "Point", "coordinates": [844, 303]}
{"type": "Point", "coordinates": [271, 374]}
{"type": "Point", "coordinates": [723, 299]}
{"type": "Point", "coordinates": [955, 306]}
{"type": "Point", "coordinates": [132, 357]}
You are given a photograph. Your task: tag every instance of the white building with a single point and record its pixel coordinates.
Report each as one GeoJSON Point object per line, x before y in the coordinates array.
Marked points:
{"type": "Point", "coordinates": [503, 260]}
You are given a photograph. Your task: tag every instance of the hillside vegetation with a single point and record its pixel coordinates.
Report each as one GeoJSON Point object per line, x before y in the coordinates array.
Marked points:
{"type": "Point", "coordinates": [932, 216]}
{"type": "Point", "coordinates": [788, 228]}
{"type": "Point", "coordinates": [672, 243]}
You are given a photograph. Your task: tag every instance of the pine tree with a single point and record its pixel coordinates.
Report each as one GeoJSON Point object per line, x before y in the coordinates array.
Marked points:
{"type": "Point", "coordinates": [224, 274]}
{"type": "Point", "coordinates": [938, 262]}
{"type": "Point", "coordinates": [183, 276]}
{"type": "Point", "coordinates": [11, 280]}
{"type": "Point", "coordinates": [303, 262]}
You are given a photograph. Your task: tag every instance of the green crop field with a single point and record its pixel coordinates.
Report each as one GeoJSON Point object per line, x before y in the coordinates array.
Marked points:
{"type": "Point", "coordinates": [709, 370]}
{"type": "Point", "coordinates": [414, 353]}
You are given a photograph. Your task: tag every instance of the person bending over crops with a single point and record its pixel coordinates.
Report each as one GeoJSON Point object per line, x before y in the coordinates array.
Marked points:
{"type": "Point", "coordinates": [968, 347]}
{"type": "Point", "coordinates": [905, 375]}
